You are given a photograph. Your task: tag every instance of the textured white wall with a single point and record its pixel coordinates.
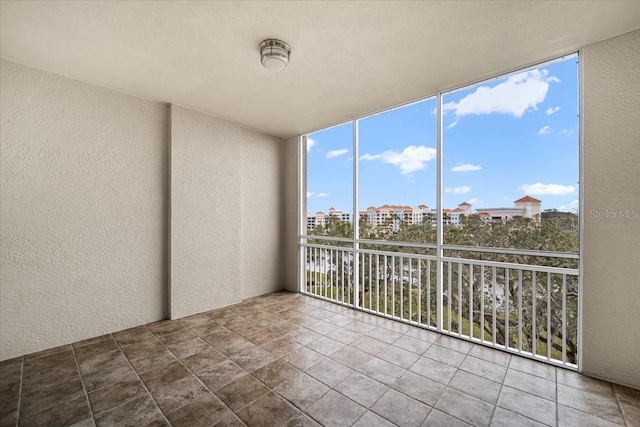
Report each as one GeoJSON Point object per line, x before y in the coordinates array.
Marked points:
{"type": "Point", "coordinates": [290, 195]}
{"type": "Point", "coordinates": [85, 207]}
{"type": "Point", "coordinates": [82, 210]}
{"type": "Point", "coordinates": [261, 213]}
{"type": "Point", "coordinates": [225, 213]}
{"type": "Point", "coordinates": [205, 212]}
{"type": "Point", "coordinates": [611, 250]}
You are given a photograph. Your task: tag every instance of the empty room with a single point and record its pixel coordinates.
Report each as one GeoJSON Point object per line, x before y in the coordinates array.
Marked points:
{"type": "Point", "coordinates": [319, 213]}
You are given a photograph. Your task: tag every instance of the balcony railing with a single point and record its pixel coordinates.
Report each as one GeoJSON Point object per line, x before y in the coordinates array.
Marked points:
{"type": "Point", "coordinates": [524, 302]}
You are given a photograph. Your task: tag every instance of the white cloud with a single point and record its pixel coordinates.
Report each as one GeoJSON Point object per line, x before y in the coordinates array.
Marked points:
{"type": "Point", "coordinates": [567, 132]}
{"type": "Point", "coordinates": [472, 201]}
{"type": "Point", "coordinates": [409, 160]}
{"type": "Point", "coordinates": [518, 94]}
{"type": "Point", "coordinates": [544, 130]}
{"type": "Point", "coordinates": [465, 167]}
{"type": "Point", "coordinates": [573, 206]}
{"type": "Point", "coordinates": [549, 111]}
{"type": "Point", "coordinates": [458, 190]}
{"type": "Point", "coordinates": [309, 193]}
{"type": "Point", "coordinates": [310, 143]}
{"type": "Point", "coordinates": [540, 189]}
{"type": "Point", "coordinates": [323, 194]}
{"type": "Point", "coordinates": [336, 153]}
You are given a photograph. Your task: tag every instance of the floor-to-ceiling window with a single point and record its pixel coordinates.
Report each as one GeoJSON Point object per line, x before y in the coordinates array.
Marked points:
{"type": "Point", "coordinates": [458, 212]}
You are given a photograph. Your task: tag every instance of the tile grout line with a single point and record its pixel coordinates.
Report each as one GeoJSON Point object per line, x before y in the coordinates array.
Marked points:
{"type": "Point", "coordinates": [331, 388]}
{"type": "Point", "coordinates": [277, 358]}
{"type": "Point", "coordinates": [138, 376]}
{"type": "Point", "coordinates": [302, 371]}
{"type": "Point", "coordinates": [266, 328]}
{"type": "Point", "coordinates": [305, 328]}
{"type": "Point", "coordinates": [19, 409]}
{"type": "Point", "coordinates": [495, 407]}
{"type": "Point", "coordinates": [446, 386]}
{"type": "Point", "coordinates": [247, 373]}
{"type": "Point", "coordinates": [431, 344]}
{"type": "Point", "coordinates": [197, 378]}
{"type": "Point", "coordinates": [557, 404]}
{"type": "Point", "coordinates": [624, 417]}
{"type": "Point", "coordinates": [367, 409]}
{"type": "Point", "coordinates": [555, 401]}
{"type": "Point", "coordinates": [84, 388]}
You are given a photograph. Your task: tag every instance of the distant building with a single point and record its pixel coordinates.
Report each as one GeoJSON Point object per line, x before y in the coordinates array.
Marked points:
{"type": "Point", "coordinates": [531, 207]}
{"type": "Point", "coordinates": [313, 220]}
{"type": "Point", "coordinates": [527, 207]}
{"type": "Point", "coordinates": [338, 214]}
{"type": "Point", "coordinates": [385, 217]}
{"type": "Point", "coordinates": [390, 217]}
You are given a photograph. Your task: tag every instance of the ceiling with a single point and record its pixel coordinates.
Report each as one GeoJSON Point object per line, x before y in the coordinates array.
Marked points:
{"type": "Point", "coordinates": [348, 58]}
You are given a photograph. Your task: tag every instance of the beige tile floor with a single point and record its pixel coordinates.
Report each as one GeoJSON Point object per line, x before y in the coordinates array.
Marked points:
{"type": "Point", "coordinates": [290, 360]}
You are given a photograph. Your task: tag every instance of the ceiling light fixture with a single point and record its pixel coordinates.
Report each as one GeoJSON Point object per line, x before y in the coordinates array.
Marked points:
{"type": "Point", "coordinates": [274, 54]}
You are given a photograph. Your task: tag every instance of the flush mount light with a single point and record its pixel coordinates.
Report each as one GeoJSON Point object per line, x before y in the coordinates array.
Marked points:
{"type": "Point", "coordinates": [274, 54]}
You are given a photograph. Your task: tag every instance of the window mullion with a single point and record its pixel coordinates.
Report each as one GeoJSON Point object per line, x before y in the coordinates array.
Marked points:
{"type": "Point", "coordinates": [355, 217]}
{"type": "Point", "coordinates": [439, 266]}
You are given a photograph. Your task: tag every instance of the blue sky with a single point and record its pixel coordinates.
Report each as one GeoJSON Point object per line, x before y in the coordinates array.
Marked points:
{"type": "Point", "coordinates": [503, 139]}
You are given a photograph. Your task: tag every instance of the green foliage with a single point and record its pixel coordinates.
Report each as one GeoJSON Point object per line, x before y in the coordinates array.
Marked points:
{"type": "Point", "coordinates": [471, 294]}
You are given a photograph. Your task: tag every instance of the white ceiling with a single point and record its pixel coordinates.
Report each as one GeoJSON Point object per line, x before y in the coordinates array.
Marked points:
{"type": "Point", "coordinates": [348, 58]}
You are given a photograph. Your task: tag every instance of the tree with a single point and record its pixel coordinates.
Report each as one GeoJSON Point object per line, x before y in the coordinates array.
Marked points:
{"type": "Point", "coordinates": [528, 305]}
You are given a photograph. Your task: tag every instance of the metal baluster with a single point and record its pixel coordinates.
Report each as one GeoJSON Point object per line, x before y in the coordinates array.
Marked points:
{"type": "Point", "coordinates": [377, 283]}
{"type": "Point", "coordinates": [393, 285]}
{"type": "Point", "coordinates": [520, 310]}
{"type": "Point", "coordinates": [493, 285]}
{"type": "Point", "coordinates": [429, 292]}
{"type": "Point", "coordinates": [419, 291]}
{"type": "Point", "coordinates": [548, 316]}
{"type": "Point", "coordinates": [507, 313]}
{"type": "Point", "coordinates": [482, 302]}
{"type": "Point", "coordinates": [459, 298]}
{"type": "Point", "coordinates": [533, 313]}
{"type": "Point", "coordinates": [401, 287]}
{"type": "Point", "coordinates": [470, 300]}
{"type": "Point", "coordinates": [385, 286]}
{"type": "Point", "coordinates": [564, 318]}
{"type": "Point", "coordinates": [370, 287]}
{"type": "Point", "coordinates": [410, 290]}
{"type": "Point", "coordinates": [449, 294]}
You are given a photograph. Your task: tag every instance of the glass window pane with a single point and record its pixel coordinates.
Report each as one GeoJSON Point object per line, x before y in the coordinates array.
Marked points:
{"type": "Point", "coordinates": [510, 161]}
{"type": "Point", "coordinates": [329, 181]}
{"type": "Point", "coordinates": [397, 173]}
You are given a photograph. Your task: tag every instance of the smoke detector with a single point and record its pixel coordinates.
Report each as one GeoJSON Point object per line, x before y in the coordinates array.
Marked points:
{"type": "Point", "coordinates": [274, 54]}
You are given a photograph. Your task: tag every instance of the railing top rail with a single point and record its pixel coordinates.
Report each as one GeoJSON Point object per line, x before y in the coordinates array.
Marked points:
{"type": "Point", "coordinates": [498, 264]}
{"type": "Point", "coordinates": [524, 252]}
{"type": "Point", "coordinates": [370, 251]}
{"type": "Point", "coordinates": [328, 238]}
{"type": "Point", "coordinates": [568, 255]}
{"type": "Point", "coordinates": [530, 267]}
{"type": "Point", "coordinates": [395, 243]}
{"type": "Point", "coordinates": [397, 254]}
{"type": "Point", "coordinates": [338, 248]}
